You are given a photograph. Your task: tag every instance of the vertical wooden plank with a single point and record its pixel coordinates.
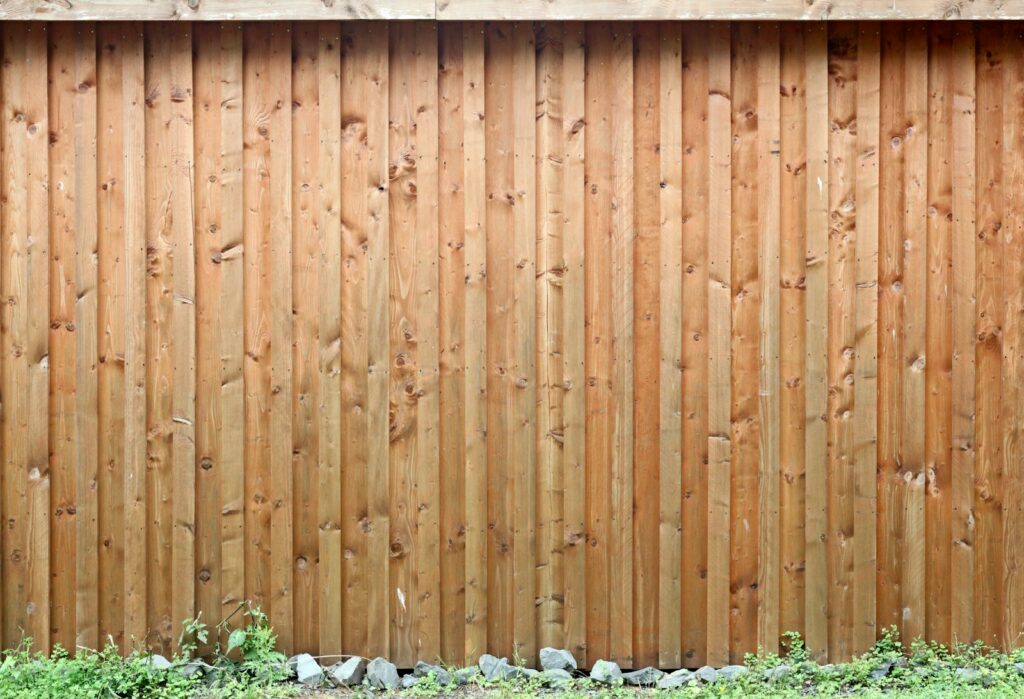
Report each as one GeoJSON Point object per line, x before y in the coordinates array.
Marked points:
{"type": "Point", "coordinates": [476, 378]}
{"type": "Point", "coordinates": [452, 343]}
{"type": "Point", "coordinates": [208, 259]}
{"type": "Point", "coordinates": [499, 90]}
{"type": "Point", "coordinates": [73, 222]}
{"type": "Point", "coordinates": [598, 167]}
{"type": "Point", "coordinates": [695, 245]}
{"type": "Point", "coordinates": [914, 244]}
{"type": "Point", "coordinates": [330, 227]}
{"type": "Point", "coordinates": [964, 310]}
{"type": "Point", "coordinates": [378, 360]}
{"type": "Point", "coordinates": [107, 47]}
{"type": "Point", "coordinates": [305, 273]}
{"type": "Point", "coordinates": [792, 336]}
{"type": "Point", "coordinates": [892, 165]}
{"type": "Point", "coordinates": [1013, 337]}
{"type": "Point", "coordinates": [841, 333]}
{"type": "Point", "coordinates": [769, 270]}
{"type": "Point", "coordinates": [622, 243]}
{"type": "Point", "coordinates": [574, 400]}
{"type": "Point", "coordinates": [136, 547]}
{"type": "Point", "coordinates": [232, 337]}
{"type": "Point", "coordinates": [550, 273]}
{"type": "Point", "coordinates": [865, 439]}
{"type": "Point", "coordinates": [989, 469]}
{"type": "Point", "coordinates": [427, 582]}
{"type": "Point", "coordinates": [746, 298]}
{"type": "Point", "coordinates": [671, 600]}
{"type": "Point", "coordinates": [355, 324]}
{"type": "Point", "coordinates": [816, 258]}
{"type": "Point", "coordinates": [720, 100]}
{"type": "Point", "coordinates": [939, 338]}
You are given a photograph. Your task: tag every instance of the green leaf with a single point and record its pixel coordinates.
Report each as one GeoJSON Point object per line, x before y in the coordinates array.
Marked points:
{"type": "Point", "coordinates": [236, 639]}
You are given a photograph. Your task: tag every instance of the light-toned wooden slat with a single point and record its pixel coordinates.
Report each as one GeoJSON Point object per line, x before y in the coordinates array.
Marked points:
{"type": "Point", "coordinates": [305, 275]}
{"type": "Point", "coordinates": [719, 339]}
{"type": "Point", "coordinates": [889, 486]}
{"type": "Point", "coordinates": [550, 272]}
{"type": "Point", "coordinates": [208, 259]}
{"type": "Point", "coordinates": [499, 144]}
{"type": "Point", "coordinates": [808, 10]}
{"type": "Point", "coordinates": [1013, 337]}
{"type": "Point", "coordinates": [695, 346]}
{"type": "Point", "coordinates": [964, 308]}
{"type": "Point", "coordinates": [769, 163]}
{"type": "Point", "coordinates": [939, 337]}
{"type": "Point", "coordinates": [747, 298]}
{"type": "Point", "coordinates": [232, 339]}
{"type": "Point", "coordinates": [816, 334]}
{"type": "Point", "coordinates": [622, 243]}
{"type": "Point", "coordinates": [217, 10]}
{"type": "Point", "coordinates": [73, 320]}
{"type": "Point", "coordinates": [475, 392]}
{"type": "Point", "coordinates": [132, 123]}
{"type": "Point", "coordinates": [989, 341]}
{"type": "Point", "coordinates": [672, 602]}
{"type": "Point", "coordinates": [452, 343]}
{"type": "Point", "coordinates": [842, 105]}
{"type": "Point", "coordinates": [865, 409]}
{"type": "Point", "coordinates": [332, 600]}
{"type": "Point", "coordinates": [379, 316]}
{"type": "Point", "coordinates": [574, 127]}
{"type": "Point", "coordinates": [793, 301]}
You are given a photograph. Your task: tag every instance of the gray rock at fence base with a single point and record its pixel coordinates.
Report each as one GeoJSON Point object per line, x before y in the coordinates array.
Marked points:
{"type": "Point", "coordinates": [707, 674]}
{"type": "Point", "coordinates": [1020, 668]}
{"type": "Point", "coordinates": [829, 669]}
{"type": "Point", "coordinates": [674, 680]}
{"type": "Point", "coordinates": [489, 665]}
{"type": "Point", "coordinates": [731, 672]}
{"type": "Point", "coordinates": [348, 673]}
{"type": "Point", "coordinates": [777, 673]}
{"type": "Point", "coordinates": [529, 672]}
{"type": "Point", "coordinates": [380, 674]}
{"type": "Point", "coordinates": [646, 677]}
{"type": "Point", "coordinates": [970, 675]}
{"type": "Point", "coordinates": [881, 672]}
{"type": "Point", "coordinates": [441, 676]}
{"type": "Point", "coordinates": [307, 670]}
{"type": "Point", "coordinates": [465, 675]}
{"type": "Point", "coordinates": [556, 678]}
{"type": "Point", "coordinates": [557, 659]}
{"type": "Point", "coordinates": [158, 662]}
{"type": "Point", "coordinates": [191, 669]}
{"type": "Point", "coordinates": [408, 681]}
{"type": "Point", "coordinates": [605, 672]}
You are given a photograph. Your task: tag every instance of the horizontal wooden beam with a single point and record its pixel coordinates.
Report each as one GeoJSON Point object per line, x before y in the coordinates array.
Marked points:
{"type": "Point", "coordinates": [805, 10]}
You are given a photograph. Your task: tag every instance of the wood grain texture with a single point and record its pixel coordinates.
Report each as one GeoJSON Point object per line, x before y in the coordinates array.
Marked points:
{"type": "Point", "coordinates": [651, 341]}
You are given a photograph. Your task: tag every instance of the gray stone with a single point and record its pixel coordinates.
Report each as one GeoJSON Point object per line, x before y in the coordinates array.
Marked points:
{"type": "Point", "coordinates": [192, 669]}
{"type": "Point", "coordinates": [408, 681]}
{"type": "Point", "coordinates": [881, 672]}
{"type": "Point", "coordinates": [556, 678]}
{"type": "Point", "coordinates": [646, 677]}
{"type": "Point", "coordinates": [731, 672]}
{"type": "Point", "coordinates": [557, 659]}
{"type": "Point", "coordinates": [707, 674]}
{"type": "Point", "coordinates": [465, 675]}
{"type": "Point", "coordinates": [490, 664]}
{"type": "Point", "coordinates": [158, 662]}
{"type": "Point", "coordinates": [307, 670]}
{"type": "Point", "coordinates": [380, 674]}
{"type": "Point", "coordinates": [967, 674]}
{"type": "Point", "coordinates": [605, 672]}
{"type": "Point", "coordinates": [441, 676]}
{"type": "Point", "coordinates": [1020, 668]}
{"type": "Point", "coordinates": [348, 673]}
{"type": "Point", "coordinates": [674, 680]}
{"type": "Point", "coordinates": [778, 673]}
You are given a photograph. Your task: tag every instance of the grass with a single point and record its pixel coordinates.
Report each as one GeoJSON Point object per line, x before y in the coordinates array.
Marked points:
{"type": "Point", "coordinates": [245, 663]}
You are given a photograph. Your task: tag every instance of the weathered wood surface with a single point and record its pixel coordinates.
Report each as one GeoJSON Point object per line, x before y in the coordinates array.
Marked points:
{"type": "Point", "coordinates": [651, 341]}
{"type": "Point", "coordinates": [620, 10]}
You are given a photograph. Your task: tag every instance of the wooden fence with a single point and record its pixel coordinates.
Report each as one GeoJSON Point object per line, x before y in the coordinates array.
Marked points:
{"type": "Point", "coordinates": [651, 341]}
